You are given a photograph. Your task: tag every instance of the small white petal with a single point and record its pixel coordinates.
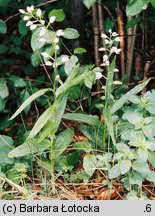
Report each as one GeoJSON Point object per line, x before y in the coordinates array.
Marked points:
{"type": "Point", "coordinates": [107, 41]}
{"type": "Point", "coordinates": [60, 32]}
{"type": "Point", "coordinates": [110, 31]}
{"type": "Point", "coordinates": [38, 13]}
{"type": "Point", "coordinates": [42, 40]}
{"type": "Point", "coordinates": [26, 18]}
{"type": "Point", "coordinates": [30, 9]}
{"type": "Point", "coordinates": [116, 70]}
{"type": "Point", "coordinates": [42, 22]}
{"type": "Point", "coordinates": [114, 34]}
{"type": "Point", "coordinates": [29, 23]}
{"type": "Point", "coordinates": [103, 35]}
{"type": "Point", "coordinates": [56, 40]}
{"type": "Point", "coordinates": [48, 63]}
{"type": "Point", "coordinates": [117, 39]}
{"type": "Point", "coordinates": [22, 11]}
{"type": "Point", "coordinates": [57, 47]}
{"type": "Point", "coordinates": [52, 19]}
{"type": "Point", "coordinates": [105, 58]}
{"type": "Point", "coordinates": [44, 54]}
{"type": "Point", "coordinates": [102, 49]}
{"type": "Point", "coordinates": [98, 75]}
{"type": "Point", "coordinates": [65, 59]}
{"type": "Point", "coordinates": [32, 27]}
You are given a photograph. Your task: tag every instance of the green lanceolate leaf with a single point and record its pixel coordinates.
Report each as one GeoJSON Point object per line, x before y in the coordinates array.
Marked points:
{"type": "Point", "coordinates": [136, 7]}
{"type": "Point", "coordinates": [109, 124]}
{"type": "Point", "coordinates": [70, 64]}
{"type": "Point", "coordinates": [3, 28]}
{"type": "Point", "coordinates": [61, 143]}
{"type": "Point", "coordinates": [91, 120]}
{"type": "Point", "coordinates": [118, 104]}
{"type": "Point", "coordinates": [29, 148]}
{"type": "Point", "coordinates": [79, 50]}
{"type": "Point", "coordinates": [125, 166]}
{"type": "Point", "coordinates": [45, 164]}
{"type": "Point", "coordinates": [70, 33]}
{"type": "Point", "coordinates": [141, 167]}
{"type": "Point", "coordinates": [89, 3]}
{"type": "Point", "coordinates": [89, 164]}
{"type": "Point", "coordinates": [3, 89]}
{"type": "Point", "coordinates": [29, 100]}
{"type": "Point", "coordinates": [83, 145]}
{"type": "Point", "coordinates": [58, 13]}
{"type": "Point", "coordinates": [6, 145]}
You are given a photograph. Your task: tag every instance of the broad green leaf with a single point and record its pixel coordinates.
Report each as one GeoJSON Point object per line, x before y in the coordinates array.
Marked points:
{"type": "Point", "coordinates": [83, 145]}
{"type": "Point", "coordinates": [114, 171]}
{"type": "Point", "coordinates": [141, 167]}
{"type": "Point", "coordinates": [24, 96]}
{"type": "Point", "coordinates": [89, 164]}
{"type": "Point", "coordinates": [136, 7]}
{"type": "Point", "coordinates": [6, 145]}
{"type": "Point", "coordinates": [151, 158]}
{"type": "Point", "coordinates": [151, 177]}
{"type": "Point", "coordinates": [132, 195]}
{"type": "Point", "coordinates": [135, 179]}
{"type": "Point", "coordinates": [22, 28]}
{"type": "Point", "coordinates": [89, 3]}
{"type": "Point", "coordinates": [35, 43]}
{"type": "Point", "coordinates": [134, 99]}
{"type": "Point", "coordinates": [109, 124]}
{"type": "Point", "coordinates": [35, 59]}
{"type": "Point", "coordinates": [61, 143]}
{"type": "Point", "coordinates": [79, 50]}
{"type": "Point", "coordinates": [58, 13]}
{"type": "Point", "coordinates": [3, 89]}
{"type": "Point", "coordinates": [4, 3]}
{"type": "Point", "coordinates": [133, 117]}
{"type": "Point", "coordinates": [3, 49]}
{"type": "Point", "coordinates": [70, 64]}
{"type": "Point", "coordinates": [89, 81]}
{"type": "Point", "coordinates": [3, 28]}
{"type": "Point", "coordinates": [29, 100]}
{"type": "Point", "coordinates": [143, 154]}
{"type": "Point", "coordinates": [18, 82]}
{"type": "Point", "coordinates": [125, 166]}
{"type": "Point", "coordinates": [91, 120]}
{"type": "Point", "coordinates": [29, 148]}
{"type": "Point", "coordinates": [70, 33]}
{"type": "Point", "coordinates": [118, 104]}
{"type": "Point", "coordinates": [147, 130]}
{"type": "Point", "coordinates": [121, 147]}
{"type": "Point", "coordinates": [45, 164]}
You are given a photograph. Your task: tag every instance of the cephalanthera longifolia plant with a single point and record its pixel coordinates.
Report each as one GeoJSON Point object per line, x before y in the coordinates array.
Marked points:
{"type": "Point", "coordinates": [46, 44]}
{"type": "Point", "coordinates": [127, 140]}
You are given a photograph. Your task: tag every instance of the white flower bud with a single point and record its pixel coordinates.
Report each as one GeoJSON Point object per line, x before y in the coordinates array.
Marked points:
{"type": "Point", "coordinates": [105, 58]}
{"type": "Point", "coordinates": [56, 40]}
{"type": "Point", "coordinates": [42, 32]}
{"type": "Point", "coordinates": [57, 47]}
{"type": "Point", "coordinates": [48, 63]}
{"type": "Point", "coordinates": [42, 22]}
{"type": "Point", "coordinates": [65, 59]}
{"type": "Point", "coordinates": [52, 19]}
{"type": "Point", "coordinates": [60, 32]}
{"type": "Point", "coordinates": [114, 34]}
{"type": "Point", "coordinates": [30, 9]}
{"type": "Point", "coordinates": [29, 23]}
{"type": "Point", "coordinates": [22, 11]}
{"type": "Point", "coordinates": [103, 35]}
{"type": "Point", "coordinates": [116, 70]}
{"type": "Point", "coordinates": [44, 54]}
{"type": "Point", "coordinates": [117, 39]}
{"type": "Point", "coordinates": [32, 27]}
{"type": "Point", "coordinates": [38, 13]}
{"type": "Point", "coordinates": [26, 18]}
{"type": "Point", "coordinates": [98, 75]}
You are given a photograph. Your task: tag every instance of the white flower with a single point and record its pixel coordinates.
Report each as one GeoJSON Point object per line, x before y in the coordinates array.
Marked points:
{"type": "Point", "coordinates": [65, 59]}
{"type": "Point", "coordinates": [110, 31]}
{"type": "Point", "coordinates": [42, 40]}
{"type": "Point", "coordinates": [98, 75]}
{"type": "Point", "coordinates": [52, 19]}
{"type": "Point", "coordinates": [32, 27]}
{"type": "Point", "coordinates": [60, 32]}
{"type": "Point", "coordinates": [43, 31]}
{"type": "Point", "coordinates": [48, 63]}
{"type": "Point", "coordinates": [26, 18]}
{"type": "Point", "coordinates": [29, 23]}
{"type": "Point", "coordinates": [57, 77]}
{"type": "Point", "coordinates": [56, 47]}
{"type": "Point", "coordinates": [114, 34]}
{"type": "Point", "coordinates": [45, 54]}
{"type": "Point", "coordinates": [117, 82]}
{"type": "Point", "coordinates": [30, 9]}
{"type": "Point", "coordinates": [38, 13]}
{"type": "Point", "coordinates": [115, 50]}
{"type": "Point", "coordinates": [56, 40]}
{"type": "Point", "coordinates": [22, 11]}
{"type": "Point", "coordinates": [107, 41]}
{"type": "Point", "coordinates": [117, 39]}
{"type": "Point", "coordinates": [105, 58]}
{"type": "Point", "coordinates": [103, 35]}
{"type": "Point", "coordinates": [116, 70]}
{"type": "Point", "coordinates": [42, 22]}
